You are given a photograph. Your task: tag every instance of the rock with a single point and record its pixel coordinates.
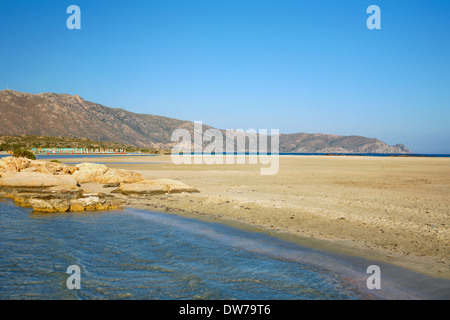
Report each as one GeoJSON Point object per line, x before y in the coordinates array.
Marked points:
{"type": "Point", "coordinates": [32, 180]}
{"type": "Point", "coordinates": [66, 202]}
{"type": "Point", "coordinates": [23, 202]}
{"type": "Point", "coordinates": [153, 187]}
{"type": "Point", "coordinates": [54, 187]}
{"type": "Point", "coordinates": [91, 172]}
{"type": "Point", "coordinates": [13, 164]}
{"type": "Point", "coordinates": [111, 185]}
{"type": "Point", "coordinates": [20, 199]}
{"type": "Point", "coordinates": [49, 205]}
{"type": "Point", "coordinates": [120, 176]}
{"type": "Point", "coordinates": [95, 202]}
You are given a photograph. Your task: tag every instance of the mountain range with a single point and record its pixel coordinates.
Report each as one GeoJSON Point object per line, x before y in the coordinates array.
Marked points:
{"type": "Point", "coordinates": [64, 115]}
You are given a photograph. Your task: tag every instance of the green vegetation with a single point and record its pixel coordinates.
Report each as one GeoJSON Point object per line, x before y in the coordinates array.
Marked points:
{"type": "Point", "coordinates": [28, 142]}
{"type": "Point", "coordinates": [5, 147]}
{"type": "Point", "coordinates": [20, 153]}
{"type": "Point", "coordinates": [155, 151]}
{"type": "Point", "coordinates": [54, 160]}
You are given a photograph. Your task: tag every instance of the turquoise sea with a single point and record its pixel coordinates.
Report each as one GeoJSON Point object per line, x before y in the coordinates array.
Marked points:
{"type": "Point", "coordinates": [136, 254]}
{"type": "Point", "coordinates": [139, 254]}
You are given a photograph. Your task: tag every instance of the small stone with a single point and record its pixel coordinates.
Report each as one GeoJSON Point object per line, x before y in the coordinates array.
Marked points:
{"type": "Point", "coordinates": [111, 185]}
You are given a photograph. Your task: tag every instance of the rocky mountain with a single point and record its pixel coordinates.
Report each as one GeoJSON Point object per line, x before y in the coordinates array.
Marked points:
{"type": "Point", "coordinates": [329, 143]}
{"type": "Point", "coordinates": [50, 114]}
{"type": "Point", "coordinates": [64, 115]}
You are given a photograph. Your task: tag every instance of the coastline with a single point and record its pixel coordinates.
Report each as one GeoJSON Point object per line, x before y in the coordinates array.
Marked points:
{"type": "Point", "coordinates": [397, 233]}
{"type": "Point", "coordinates": [398, 282]}
{"type": "Point", "coordinates": [344, 248]}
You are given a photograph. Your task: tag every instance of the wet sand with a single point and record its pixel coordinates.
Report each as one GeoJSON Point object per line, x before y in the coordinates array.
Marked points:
{"type": "Point", "coordinates": [389, 209]}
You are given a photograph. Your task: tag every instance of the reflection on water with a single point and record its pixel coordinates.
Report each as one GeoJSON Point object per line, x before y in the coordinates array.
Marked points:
{"type": "Point", "coordinates": [137, 254]}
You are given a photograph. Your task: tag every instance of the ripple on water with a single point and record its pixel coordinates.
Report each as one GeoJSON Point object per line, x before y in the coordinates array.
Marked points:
{"type": "Point", "coordinates": [143, 255]}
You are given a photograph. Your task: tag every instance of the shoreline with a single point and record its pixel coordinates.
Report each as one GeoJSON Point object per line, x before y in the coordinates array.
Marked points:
{"type": "Point", "coordinates": [388, 209]}
{"type": "Point", "coordinates": [337, 246]}
{"type": "Point", "coordinates": [398, 282]}
{"type": "Point", "coordinates": [237, 196]}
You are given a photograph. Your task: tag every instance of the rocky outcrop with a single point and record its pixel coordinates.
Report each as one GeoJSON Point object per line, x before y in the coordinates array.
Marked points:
{"type": "Point", "coordinates": [54, 187]}
{"type": "Point", "coordinates": [13, 164]}
{"type": "Point", "coordinates": [152, 187]}
{"type": "Point", "coordinates": [95, 202]}
{"type": "Point", "coordinates": [38, 181]}
{"type": "Point", "coordinates": [91, 172]}
{"type": "Point", "coordinates": [65, 202]}
{"type": "Point", "coordinates": [46, 204]}
{"type": "Point", "coordinates": [49, 187]}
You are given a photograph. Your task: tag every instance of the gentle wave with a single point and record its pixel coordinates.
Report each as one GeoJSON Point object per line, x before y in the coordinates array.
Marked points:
{"type": "Point", "coordinates": [135, 254]}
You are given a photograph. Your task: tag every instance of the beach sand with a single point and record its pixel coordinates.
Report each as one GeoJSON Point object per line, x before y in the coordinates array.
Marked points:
{"type": "Point", "coordinates": [389, 209]}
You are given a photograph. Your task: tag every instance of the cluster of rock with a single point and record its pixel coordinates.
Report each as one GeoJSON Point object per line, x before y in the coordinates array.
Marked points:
{"type": "Point", "coordinates": [92, 172]}
{"type": "Point", "coordinates": [56, 187]}
{"type": "Point", "coordinates": [12, 164]}
{"type": "Point", "coordinates": [65, 202]}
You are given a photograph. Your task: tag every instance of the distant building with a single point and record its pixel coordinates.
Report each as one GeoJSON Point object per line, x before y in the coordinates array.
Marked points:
{"type": "Point", "coordinates": [77, 151]}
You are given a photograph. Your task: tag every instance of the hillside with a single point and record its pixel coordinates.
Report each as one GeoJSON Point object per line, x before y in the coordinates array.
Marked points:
{"type": "Point", "coordinates": [64, 115]}
{"type": "Point", "coordinates": [328, 143]}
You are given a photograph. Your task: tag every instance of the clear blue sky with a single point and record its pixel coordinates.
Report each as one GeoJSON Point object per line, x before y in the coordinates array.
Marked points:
{"type": "Point", "coordinates": [299, 66]}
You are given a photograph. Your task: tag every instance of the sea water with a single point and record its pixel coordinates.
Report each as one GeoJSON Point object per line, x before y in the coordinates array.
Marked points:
{"type": "Point", "coordinates": [138, 254]}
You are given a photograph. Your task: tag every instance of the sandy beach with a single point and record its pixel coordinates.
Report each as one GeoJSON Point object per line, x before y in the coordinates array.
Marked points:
{"type": "Point", "coordinates": [389, 209]}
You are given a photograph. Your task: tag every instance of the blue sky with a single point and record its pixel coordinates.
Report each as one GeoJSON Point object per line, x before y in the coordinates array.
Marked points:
{"type": "Point", "coordinates": [298, 66]}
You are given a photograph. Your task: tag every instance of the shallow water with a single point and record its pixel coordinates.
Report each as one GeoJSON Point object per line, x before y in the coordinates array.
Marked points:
{"type": "Point", "coordinates": [136, 254]}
